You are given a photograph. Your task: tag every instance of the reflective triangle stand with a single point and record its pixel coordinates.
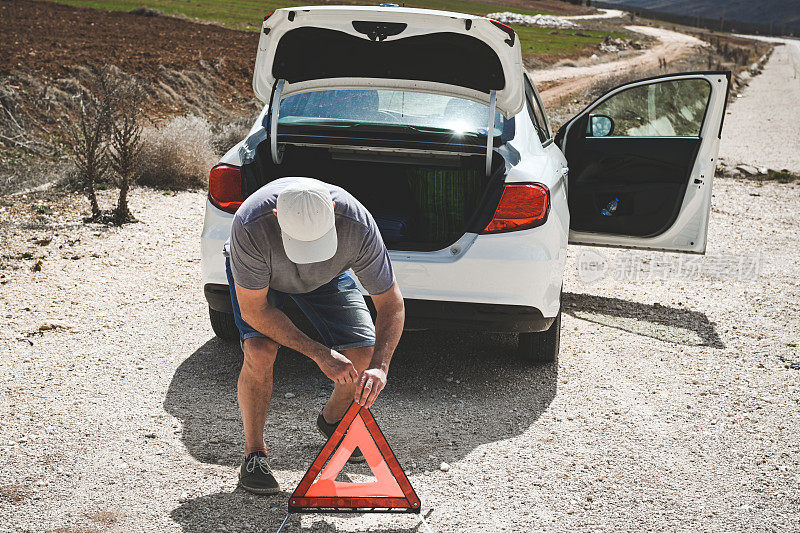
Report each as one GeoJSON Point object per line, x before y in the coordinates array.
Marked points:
{"type": "Point", "coordinates": [422, 520]}
{"type": "Point", "coordinates": [391, 492]}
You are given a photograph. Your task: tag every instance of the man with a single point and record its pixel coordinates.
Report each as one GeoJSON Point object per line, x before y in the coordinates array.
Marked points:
{"type": "Point", "coordinates": [297, 237]}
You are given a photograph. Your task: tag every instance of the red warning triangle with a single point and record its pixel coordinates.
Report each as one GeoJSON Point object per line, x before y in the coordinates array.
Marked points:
{"type": "Point", "coordinates": [390, 492]}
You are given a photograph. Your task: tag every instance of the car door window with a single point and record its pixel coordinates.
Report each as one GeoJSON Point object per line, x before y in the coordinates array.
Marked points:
{"type": "Point", "coordinates": [537, 113]}
{"type": "Point", "coordinates": [664, 109]}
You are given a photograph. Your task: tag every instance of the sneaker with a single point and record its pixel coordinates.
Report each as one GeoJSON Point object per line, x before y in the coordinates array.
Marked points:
{"type": "Point", "coordinates": [328, 429]}
{"type": "Point", "coordinates": [256, 475]}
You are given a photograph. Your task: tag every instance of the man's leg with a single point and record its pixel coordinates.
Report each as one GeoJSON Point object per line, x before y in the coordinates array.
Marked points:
{"type": "Point", "coordinates": [255, 389]}
{"type": "Point", "coordinates": [339, 313]}
{"type": "Point", "coordinates": [343, 394]}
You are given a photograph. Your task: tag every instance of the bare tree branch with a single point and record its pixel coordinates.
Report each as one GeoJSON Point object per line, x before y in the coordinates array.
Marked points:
{"type": "Point", "coordinates": [126, 143]}
{"type": "Point", "coordinates": [89, 134]}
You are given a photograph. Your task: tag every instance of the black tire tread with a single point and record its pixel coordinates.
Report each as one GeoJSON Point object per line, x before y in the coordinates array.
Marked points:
{"type": "Point", "coordinates": [542, 347]}
{"type": "Point", "coordinates": [223, 325]}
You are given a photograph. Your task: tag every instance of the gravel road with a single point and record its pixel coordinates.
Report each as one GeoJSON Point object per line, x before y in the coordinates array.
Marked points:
{"type": "Point", "coordinates": [674, 405]}
{"type": "Point", "coordinates": [763, 128]}
{"type": "Point", "coordinates": [601, 14]}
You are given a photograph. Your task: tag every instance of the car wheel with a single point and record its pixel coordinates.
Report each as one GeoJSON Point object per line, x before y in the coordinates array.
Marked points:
{"type": "Point", "coordinates": [223, 325]}
{"type": "Point", "coordinates": [542, 347]}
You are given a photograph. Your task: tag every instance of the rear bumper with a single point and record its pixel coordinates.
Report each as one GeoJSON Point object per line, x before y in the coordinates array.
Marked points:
{"type": "Point", "coordinates": [503, 282]}
{"type": "Point", "coordinates": [431, 314]}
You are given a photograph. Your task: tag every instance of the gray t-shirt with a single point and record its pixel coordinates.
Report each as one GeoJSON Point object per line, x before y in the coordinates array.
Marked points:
{"type": "Point", "coordinates": [258, 259]}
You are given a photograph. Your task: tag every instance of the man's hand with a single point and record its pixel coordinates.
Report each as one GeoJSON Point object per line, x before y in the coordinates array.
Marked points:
{"type": "Point", "coordinates": [371, 383]}
{"type": "Point", "coordinates": [337, 367]}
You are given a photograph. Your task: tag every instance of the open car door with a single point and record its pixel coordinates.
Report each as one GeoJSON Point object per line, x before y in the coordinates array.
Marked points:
{"type": "Point", "coordinates": [641, 162]}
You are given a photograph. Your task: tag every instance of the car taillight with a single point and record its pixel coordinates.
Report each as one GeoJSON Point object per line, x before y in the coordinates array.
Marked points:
{"type": "Point", "coordinates": [522, 206]}
{"type": "Point", "coordinates": [225, 187]}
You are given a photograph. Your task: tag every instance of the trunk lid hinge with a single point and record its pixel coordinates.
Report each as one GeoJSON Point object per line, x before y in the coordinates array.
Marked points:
{"type": "Point", "coordinates": [247, 152]}
{"type": "Point", "coordinates": [490, 132]}
{"type": "Point", "coordinates": [277, 155]}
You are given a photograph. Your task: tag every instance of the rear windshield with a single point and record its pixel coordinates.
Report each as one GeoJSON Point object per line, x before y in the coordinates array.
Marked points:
{"type": "Point", "coordinates": [389, 109]}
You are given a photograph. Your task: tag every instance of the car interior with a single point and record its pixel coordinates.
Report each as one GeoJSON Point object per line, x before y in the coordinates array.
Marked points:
{"type": "Point", "coordinates": [421, 202]}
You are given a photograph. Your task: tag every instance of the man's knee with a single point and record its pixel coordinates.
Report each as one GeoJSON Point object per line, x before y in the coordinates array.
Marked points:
{"type": "Point", "coordinates": [259, 354]}
{"type": "Point", "coordinates": [360, 357]}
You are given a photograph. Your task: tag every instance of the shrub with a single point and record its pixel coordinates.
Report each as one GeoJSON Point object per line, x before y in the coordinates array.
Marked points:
{"type": "Point", "coordinates": [231, 133]}
{"type": "Point", "coordinates": [177, 155]}
{"type": "Point", "coordinates": [89, 133]}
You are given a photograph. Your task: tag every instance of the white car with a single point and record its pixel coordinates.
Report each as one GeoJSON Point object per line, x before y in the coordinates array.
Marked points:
{"type": "Point", "coordinates": [430, 120]}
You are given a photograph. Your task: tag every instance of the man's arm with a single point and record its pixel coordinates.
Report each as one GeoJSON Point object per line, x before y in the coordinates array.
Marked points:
{"type": "Point", "coordinates": [388, 329]}
{"type": "Point", "coordinates": [273, 323]}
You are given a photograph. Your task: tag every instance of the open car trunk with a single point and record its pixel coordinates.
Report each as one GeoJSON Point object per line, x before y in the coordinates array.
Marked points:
{"type": "Point", "coordinates": [389, 47]}
{"type": "Point", "coordinates": [420, 202]}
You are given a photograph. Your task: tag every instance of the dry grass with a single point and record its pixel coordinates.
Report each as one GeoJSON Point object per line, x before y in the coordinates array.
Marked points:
{"type": "Point", "coordinates": [12, 493]}
{"type": "Point", "coordinates": [731, 52]}
{"type": "Point", "coordinates": [106, 517]}
{"type": "Point", "coordinates": [229, 134]}
{"type": "Point", "coordinates": [177, 155]}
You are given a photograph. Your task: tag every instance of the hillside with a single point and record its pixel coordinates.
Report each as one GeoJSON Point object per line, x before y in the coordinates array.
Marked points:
{"type": "Point", "coordinates": [50, 52]}
{"type": "Point", "coordinates": [775, 13]}
{"type": "Point", "coordinates": [247, 14]}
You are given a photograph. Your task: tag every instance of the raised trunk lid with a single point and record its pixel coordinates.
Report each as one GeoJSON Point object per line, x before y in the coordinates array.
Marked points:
{"type": "Point", "coordinates": [341, 47]}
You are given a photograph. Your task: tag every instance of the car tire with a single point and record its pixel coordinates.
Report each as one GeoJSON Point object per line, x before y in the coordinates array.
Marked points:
{"type": "Point", "coordinates": [541, 347]}
{"type": "Point", "coordinates": [223, 325]}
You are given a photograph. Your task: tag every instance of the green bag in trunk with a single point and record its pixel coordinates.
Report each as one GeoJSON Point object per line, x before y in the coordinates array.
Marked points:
{"type": "Point", "coordinates": [445, 200]}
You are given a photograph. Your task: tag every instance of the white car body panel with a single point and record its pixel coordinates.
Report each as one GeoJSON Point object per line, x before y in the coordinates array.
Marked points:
{"type": "Point", "coordinates": [518, 268]}
{"type": "Point", "coordinates": [216, 230]}
{"type": "Point", "coordinates": [499, 269]}
{"type": "Point", "coordinates": [510, 99]}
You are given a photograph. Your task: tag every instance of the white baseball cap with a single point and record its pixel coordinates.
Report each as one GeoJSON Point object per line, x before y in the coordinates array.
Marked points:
{"type": "Point", "coordinates": [308, 227]}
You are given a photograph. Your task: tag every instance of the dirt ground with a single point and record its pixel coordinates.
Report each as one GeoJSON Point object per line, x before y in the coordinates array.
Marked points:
{"type": "Point", "coordinates": [674, 405]}
{"type": "Point", "coordinates": [563, 82]}
{"type": "Point", "coordinates": [47, 38]}
{"type": "Point", "coordinates": [50, 53]}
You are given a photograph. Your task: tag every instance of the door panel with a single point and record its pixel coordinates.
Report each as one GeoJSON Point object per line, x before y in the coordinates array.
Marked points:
{"type": "Point", "coordinates": [641, 162]}
{"type": "Point", "coordinates": [647, 178]}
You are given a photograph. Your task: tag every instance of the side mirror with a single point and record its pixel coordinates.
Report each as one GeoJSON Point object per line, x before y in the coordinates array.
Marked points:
{"type": "Point", "coordinates": [600, 126]}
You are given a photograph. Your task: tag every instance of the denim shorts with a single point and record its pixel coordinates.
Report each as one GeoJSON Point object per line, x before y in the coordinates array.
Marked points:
{"type": "Point", "coordinates": [337, 310]}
